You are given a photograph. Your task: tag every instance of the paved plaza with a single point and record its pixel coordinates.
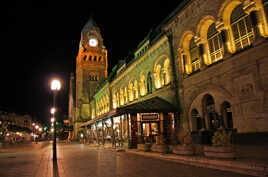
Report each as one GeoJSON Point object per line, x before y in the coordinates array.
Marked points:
{"type": "Point", "coordinates": [78, 160]}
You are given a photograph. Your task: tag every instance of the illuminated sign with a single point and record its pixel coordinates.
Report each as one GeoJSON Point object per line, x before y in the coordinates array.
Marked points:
{"type": "Point", "coordinates": [150, 117]}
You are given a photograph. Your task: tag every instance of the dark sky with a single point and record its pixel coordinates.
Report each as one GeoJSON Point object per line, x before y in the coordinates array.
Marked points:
{"type": "Point", "coordinates": [40, 40]}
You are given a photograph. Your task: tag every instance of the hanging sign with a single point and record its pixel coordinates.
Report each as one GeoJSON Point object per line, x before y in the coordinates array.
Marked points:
{"type": "Point", "coordinates": [150, 117]}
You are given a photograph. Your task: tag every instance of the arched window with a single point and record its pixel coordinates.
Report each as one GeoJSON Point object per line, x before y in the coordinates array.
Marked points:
{"type": "Point", "coordinates": [114, 101]}
{"type": "Point", "coordinates": [242, 28]}
{"type": "Point", "coordinates": [166, 72]}
{"type": "Point", "coordinates": [125, 95]}
{"type": "Point", "coordinates": [142, 85]}
{"type": "Point", "coordinates": [130, 91]}
{"type": "Point", "coordinates": [121, 96]}
{"type": "Point", "coordinates": [100, 59]}
{"type": "Point", "coordinates": [227, 117]}
{"type": "Point", "coordinates": [90, 58]}
{"type": "Point", "coordinates": [117, 99]}
{"type": "Point", "coordinates": [85, 58]}
{"type": "Point", "coordinates": [214, 43]}
{"type": "Point", "coordinates": [194, 53]}
{"type": "Point", "coordinates": [209, 112]}
{"type": "Point", "coordinates": [107, 103]}
{"type": "Point", "coordinates": [136, 90]}
{"type": "Point", "coordinates": [157, 78]}
{"type": "Point", "coordinates": [149, 83]}
{"type": "Point", "coordinates": [196, 119]}
{"type": "Point", "coordinates": [265, 4]}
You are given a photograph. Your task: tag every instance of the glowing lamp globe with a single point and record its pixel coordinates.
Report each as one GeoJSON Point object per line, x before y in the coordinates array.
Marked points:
{"type": "Point", "coordinates": [55, 85]}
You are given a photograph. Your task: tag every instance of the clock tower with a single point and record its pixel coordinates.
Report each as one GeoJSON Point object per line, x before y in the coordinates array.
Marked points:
{"type": "Point", "coordinates": [91, 68]}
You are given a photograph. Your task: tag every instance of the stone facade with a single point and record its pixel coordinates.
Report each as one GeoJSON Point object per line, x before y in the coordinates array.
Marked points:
{"type": "Point", "coordinates": [237, 78]}
{"type": "Point", "coordinates": [208, 59]}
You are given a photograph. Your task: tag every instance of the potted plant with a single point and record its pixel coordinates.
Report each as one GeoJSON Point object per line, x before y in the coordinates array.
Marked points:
{"type": "Point", "coordinates": [185, 147]}
{"type": "Point", "coordinates": [221, 145]}
{"type": "Point", "coordinates": [160, 145]}
{"type": "Point", "coordinates": [142, 146]}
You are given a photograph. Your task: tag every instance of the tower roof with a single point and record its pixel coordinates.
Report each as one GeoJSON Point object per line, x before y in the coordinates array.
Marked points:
{"type": "Point", "coordinates": [89, 25]}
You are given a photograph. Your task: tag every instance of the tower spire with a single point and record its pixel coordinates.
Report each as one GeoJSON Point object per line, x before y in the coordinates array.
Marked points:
{"type": "Point", "coordinates": [90, 24]}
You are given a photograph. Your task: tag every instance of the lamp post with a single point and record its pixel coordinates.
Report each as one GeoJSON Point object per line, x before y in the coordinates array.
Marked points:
{"type": "Point", "coordinates": [55, 87]}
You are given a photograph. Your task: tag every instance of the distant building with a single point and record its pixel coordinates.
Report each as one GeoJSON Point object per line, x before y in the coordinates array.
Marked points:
{"type": "Point", "coordinates": [24, 121]}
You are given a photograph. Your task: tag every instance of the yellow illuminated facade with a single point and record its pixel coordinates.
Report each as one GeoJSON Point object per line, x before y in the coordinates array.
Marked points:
{"type": "Point", "coordinates": [209, 61]}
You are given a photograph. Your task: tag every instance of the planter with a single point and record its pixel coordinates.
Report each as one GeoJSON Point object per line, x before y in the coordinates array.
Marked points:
{"type": "Point", "coordinates": [162, 148]}
{"type": "Point", "coordinates": [144, 147]}
{"type": "Point", "coordinates": [222, 152]}
{"type": "Point", "coordinates": [183, 150]}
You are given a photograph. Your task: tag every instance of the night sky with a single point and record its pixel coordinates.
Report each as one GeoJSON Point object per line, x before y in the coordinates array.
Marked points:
{"type": "Point", "coordinates": [40, 40]}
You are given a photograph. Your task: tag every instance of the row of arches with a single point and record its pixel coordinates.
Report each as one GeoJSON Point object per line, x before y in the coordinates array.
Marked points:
{"type": "Point", "coordinates": [95, 58]}
{"type": "Point", "coordinates": [209, 118]}
{"type": "Point", "coordinates": [144, 84]}
{"type": "Point", "coordinates": [93, 77]}
{"type": "Point", "coordinates": [103, 105]}
{"type": "Point", "coordinates": [235, 29]}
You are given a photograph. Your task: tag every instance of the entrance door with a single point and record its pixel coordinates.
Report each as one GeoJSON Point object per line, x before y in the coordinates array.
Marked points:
{"type": "Point", "coordinates": [150, 131]}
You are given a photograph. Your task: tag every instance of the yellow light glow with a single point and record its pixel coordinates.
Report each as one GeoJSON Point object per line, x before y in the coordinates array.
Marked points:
{"type": "Point", "coordinates": [55, 85]}
{"type": "Point", "coordinates": [52, 110]}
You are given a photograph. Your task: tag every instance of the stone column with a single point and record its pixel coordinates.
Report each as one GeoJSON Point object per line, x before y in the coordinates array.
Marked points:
{"type": "Point", "coordinates": [225, 38]}
{"type": "Point", "coordinates": [97, 132]}
{"type": "Point", "coordinates": [251, 9]}
{"type": "Point", "coordinates": [121, 131]}
{"type": "Point", "coordinates": [102, 129]}
{"type": "Point", "coordinates": [128, 137]}
{"type": "Point", "coordinates": [201, 48]}
{"type": "Point", "coordinates": [113, 135]}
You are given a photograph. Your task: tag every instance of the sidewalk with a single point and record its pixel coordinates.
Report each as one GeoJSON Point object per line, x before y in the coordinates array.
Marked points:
{"type": "Point", "coordinates": [251, 160]}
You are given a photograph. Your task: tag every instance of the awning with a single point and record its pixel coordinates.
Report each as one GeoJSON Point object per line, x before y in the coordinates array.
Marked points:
{"type": "Point", "coordinates": [155, 104]}
{"type": "Point", "coordinates": [152, 105]}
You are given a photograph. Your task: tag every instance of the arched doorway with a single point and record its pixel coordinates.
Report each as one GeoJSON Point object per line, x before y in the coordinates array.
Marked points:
{"type": "Point", "coordinates": [197, 120]}
{"type": "Point", "coordinates": [210, 114]}
{"type": "Point", "coordinates": [227, 116]}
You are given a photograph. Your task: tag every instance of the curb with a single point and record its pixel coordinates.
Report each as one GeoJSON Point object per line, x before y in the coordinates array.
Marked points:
{"type": "Point", "coordinates": [253, 169]}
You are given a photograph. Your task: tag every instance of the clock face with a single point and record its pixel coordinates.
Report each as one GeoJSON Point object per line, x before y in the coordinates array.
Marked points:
{"type": "Point", "coordinates": [93, 42]}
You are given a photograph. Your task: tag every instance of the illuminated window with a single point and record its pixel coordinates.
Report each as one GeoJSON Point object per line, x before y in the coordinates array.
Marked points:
{"type": "Point", "coordinates": [166, 72]}
{"type": "Point", "coordinates": [194, 53]}
{"type": "Point", "coordinates": [214, 43]}
{"type": "Point", "coordinates": [125, 95]}
{"type": "Point", "coordinates": [108, 103]}
{"type": "Point", "coordinates": [93, 113]}
{"type": "Point", "coordinates": [117, 99]}
{"type": "Point", "coordinates": [136, 91]}
{"type": "Point", "coordinates": [242, 28]}
{"type": "Point", "coordinates": [114, 101]}
{"type": "Point", "coordinates": [157, 78]}
{"type": "Point", "coordinates": [149, 83]}
{"type": "Point", "coordinates": [130, 91]}
{"type": "Point", "coordinates": [121, 96]}
{"type": "Point", "coordinates": [142, 85]}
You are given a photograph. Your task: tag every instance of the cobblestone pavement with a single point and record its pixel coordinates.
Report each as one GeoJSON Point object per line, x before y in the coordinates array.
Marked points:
{"type": "Point", "coordinates": [77, 160]}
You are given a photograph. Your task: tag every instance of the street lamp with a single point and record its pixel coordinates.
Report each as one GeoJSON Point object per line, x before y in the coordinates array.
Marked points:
{"type": "Point", "coordinates": [55, 87]}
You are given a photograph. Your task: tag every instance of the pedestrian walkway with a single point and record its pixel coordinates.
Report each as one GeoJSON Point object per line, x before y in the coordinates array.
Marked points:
{"type": "Point", "coordinates": [251, 160]}
{"type": "Point", "coordinates": [79, 160]}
